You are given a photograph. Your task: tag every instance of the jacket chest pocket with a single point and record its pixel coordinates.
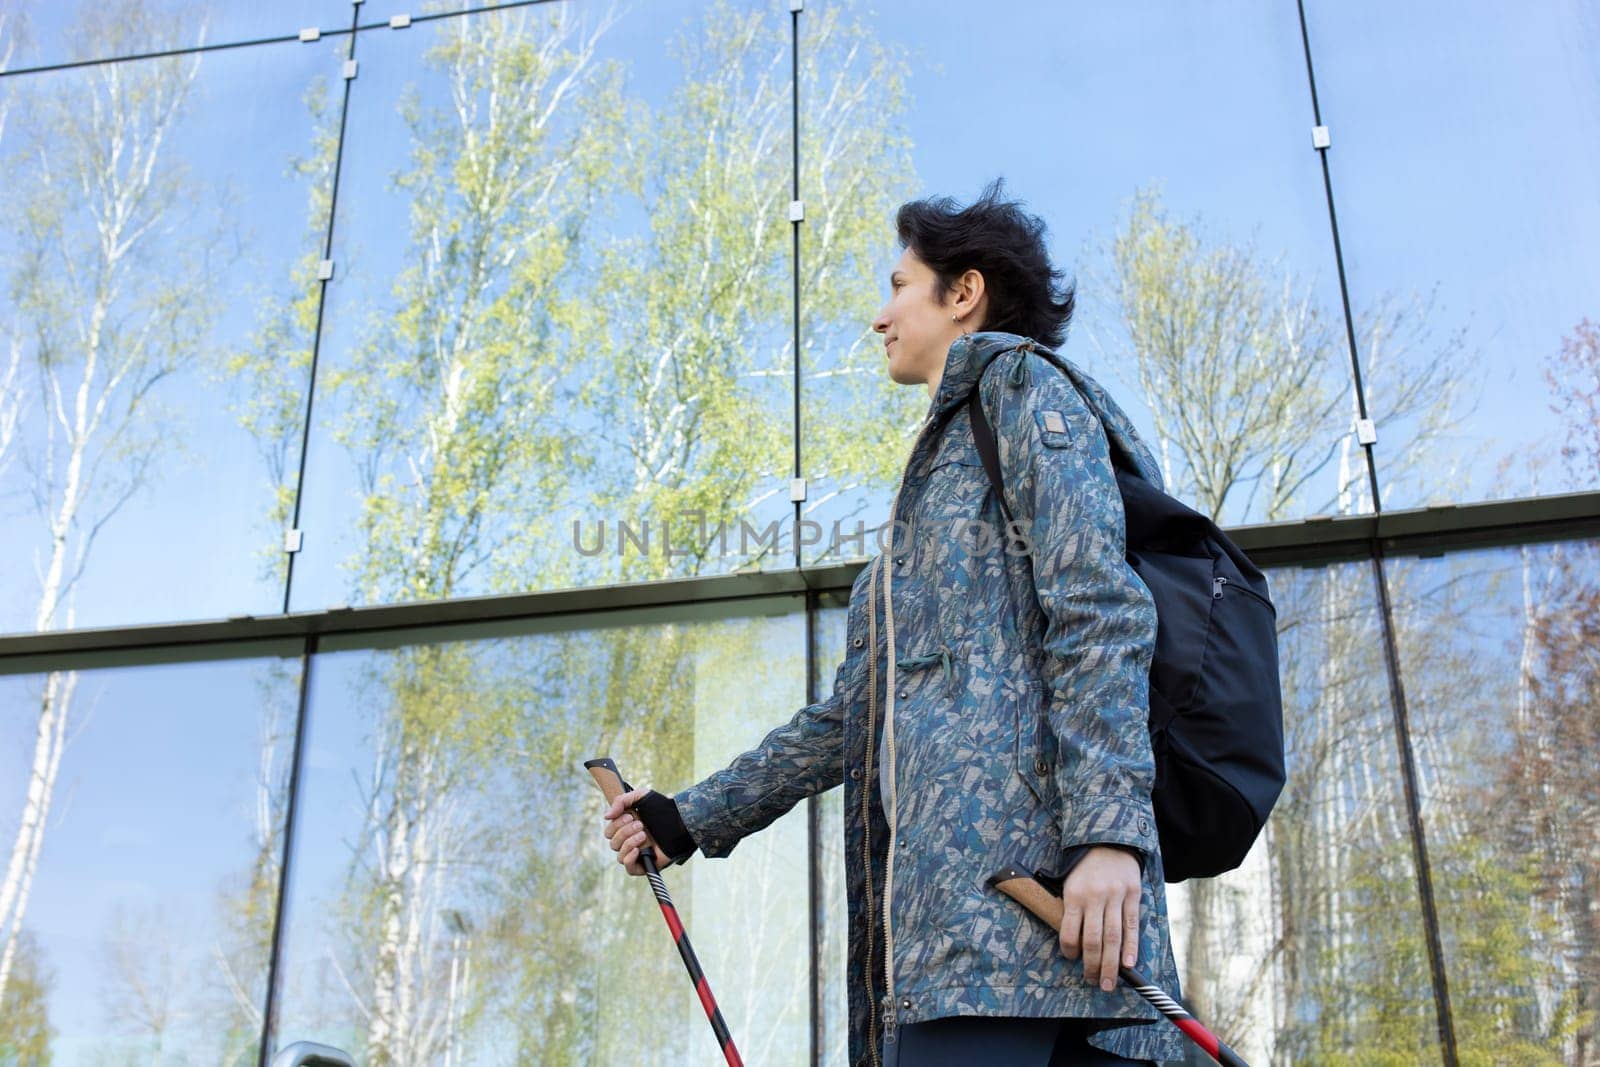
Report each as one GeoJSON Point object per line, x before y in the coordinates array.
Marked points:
{"type": "Point", "coordinates": [951, 539]}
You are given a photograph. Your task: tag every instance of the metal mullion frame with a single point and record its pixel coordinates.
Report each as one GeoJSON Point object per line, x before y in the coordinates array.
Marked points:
{"type": "Point", "coordinates": [269, 1014]}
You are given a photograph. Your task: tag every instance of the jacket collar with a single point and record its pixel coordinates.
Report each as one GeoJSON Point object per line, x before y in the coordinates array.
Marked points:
{"type": "Point", "coordinates": [969, 355]}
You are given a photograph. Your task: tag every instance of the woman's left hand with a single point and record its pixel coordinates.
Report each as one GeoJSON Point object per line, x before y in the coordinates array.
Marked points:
{"type": "Point", "coordinates": [1101, 916]}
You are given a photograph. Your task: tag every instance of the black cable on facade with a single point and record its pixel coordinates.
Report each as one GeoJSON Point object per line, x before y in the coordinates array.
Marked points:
{"type": "Point", "coordinates": [1397, 695]}
{"type": "Point", "coordinates": [794, 228]}
{"type": "Point", "coordinates": [167, 53]}
{"type": "Point", "coordinates": [316, 336]}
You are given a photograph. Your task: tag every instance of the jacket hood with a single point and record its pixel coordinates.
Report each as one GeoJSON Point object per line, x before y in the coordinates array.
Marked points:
{"type": "Point", "coordinates": [971, 354]}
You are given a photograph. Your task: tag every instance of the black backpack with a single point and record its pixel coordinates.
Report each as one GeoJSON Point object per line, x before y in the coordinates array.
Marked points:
{"type": "Point", "coordinates": [1216, 711]}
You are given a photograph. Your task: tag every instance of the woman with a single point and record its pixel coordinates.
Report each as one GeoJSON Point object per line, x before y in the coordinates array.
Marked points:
{"type": "Point", "coordinates": [991, 706]}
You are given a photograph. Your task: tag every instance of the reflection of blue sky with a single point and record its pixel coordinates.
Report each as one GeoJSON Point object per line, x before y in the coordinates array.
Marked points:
{"type": "Point", "coordinates": [1461, 165]}
{"type": "Point", "coordinates": [153, 809]}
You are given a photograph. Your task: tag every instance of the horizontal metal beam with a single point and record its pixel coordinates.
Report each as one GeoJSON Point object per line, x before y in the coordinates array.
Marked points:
{"type": "Point", "coordinates": [1429, 531]}
{"type": "Point", "coordinates": [1306, 542]}
{"type": "Point", "coordinates": [592, 604]}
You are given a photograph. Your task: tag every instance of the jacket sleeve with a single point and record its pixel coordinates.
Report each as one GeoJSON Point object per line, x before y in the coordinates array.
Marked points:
{"type": "Point", "coordinates": [796, 760]}
{"type": "Point", "coordinates": [1099, 618]}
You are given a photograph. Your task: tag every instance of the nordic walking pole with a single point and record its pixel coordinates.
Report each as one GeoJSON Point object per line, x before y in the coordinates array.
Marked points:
{"type": "Point", "coordinates": [1031, 893]}
{"type": "Point", "coordinates": [609, 779]}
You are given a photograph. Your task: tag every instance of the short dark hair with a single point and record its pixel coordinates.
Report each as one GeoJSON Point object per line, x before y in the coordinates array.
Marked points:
{"type": "Point", "coordinates": [1005, 244]}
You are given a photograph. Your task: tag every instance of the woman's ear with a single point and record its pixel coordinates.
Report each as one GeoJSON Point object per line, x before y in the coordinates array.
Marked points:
{"type": "Point", "coordinates": [970, 292]}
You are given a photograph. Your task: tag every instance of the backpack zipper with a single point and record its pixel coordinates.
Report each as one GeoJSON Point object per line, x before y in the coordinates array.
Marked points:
{"type": "Point", "coordinates": [1218, 583]}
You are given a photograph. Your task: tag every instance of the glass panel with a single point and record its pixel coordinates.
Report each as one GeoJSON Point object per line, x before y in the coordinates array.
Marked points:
{"type": "Point", "coordinates": [141, 817]}
{"type": "Point", "coordinates": [45, 33]}
{"type": "Point", "coordinates": [1313, 950]}
{"type": "Point", "coordinates": [158, 312]}
{"type": "Point", "coordinates": [566, 306]}
{"type": "Point", "coordinates": [452, 897]}
{"type": "Point", "coordinates": [1501, 680]}
{"type": "Point", "coordinates": [1465, 140]}
{"type": "Point", "coordinates": [1187, 201]}
{"type": "Point", "coordinates": [835, 1023]}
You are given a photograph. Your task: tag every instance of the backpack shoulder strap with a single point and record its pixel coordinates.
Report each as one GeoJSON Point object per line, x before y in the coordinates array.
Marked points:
{"type": "Point", "coordinates": [983, 437]}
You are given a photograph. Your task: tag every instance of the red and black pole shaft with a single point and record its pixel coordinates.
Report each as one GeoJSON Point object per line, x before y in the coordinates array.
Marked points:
{"type": "Point", "coordinates": [1045, 903]}
{"type": "Point", "coordinates": [611, 784]}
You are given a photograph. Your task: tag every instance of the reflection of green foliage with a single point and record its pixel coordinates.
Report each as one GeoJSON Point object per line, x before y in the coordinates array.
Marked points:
{"type": "Point", "coordinates": [521, 366]}
{"type": "Point", "coordinates": [1373, 990]}
{"type": "Point", "coordinates": [1366, 991]}
{"type": "Point", "coordinates": [24, 1018]}
{"type": "Point", "coordinates": [451, 406]}
{"type": "Point", "coordinates": [1241, 366]}
{"type": "Point", "coordinates": [1493, 947]}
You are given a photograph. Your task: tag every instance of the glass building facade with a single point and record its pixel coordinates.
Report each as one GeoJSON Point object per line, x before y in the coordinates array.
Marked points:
{"type": "Point", "coordinates": [399, 406]}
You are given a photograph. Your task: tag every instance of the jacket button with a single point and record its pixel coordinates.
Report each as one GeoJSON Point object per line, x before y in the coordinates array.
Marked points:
{"type": "Point", "coordinates": [906, 1004]}
{"type": "Point", "coordinates": [899, 561]}
{"type": "Point", "coordinates": [1040, 766]}
{"type": "Point", "coordinates": [858, 642]}
{"type": "Point", "coordinates": [901, 694]}
{"type": "Point", "coordinates": [1144, 825]}
{"type": "Point", "coordinates": [855, 773]}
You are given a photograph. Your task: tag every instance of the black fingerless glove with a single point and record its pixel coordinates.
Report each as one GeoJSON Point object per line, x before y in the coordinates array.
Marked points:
{"type": "Point", "coordinates": [659, 813]}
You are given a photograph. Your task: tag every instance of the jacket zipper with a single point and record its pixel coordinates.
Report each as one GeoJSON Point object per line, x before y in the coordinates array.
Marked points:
{"type": "Point", "coordinates": [866, 794]}
{"type": "Point", "coordinates": [888, 738]}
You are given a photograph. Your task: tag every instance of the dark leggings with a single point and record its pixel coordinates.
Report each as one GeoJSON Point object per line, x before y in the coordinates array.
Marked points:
{"type": "Point", "coordinates": [963, 1040]}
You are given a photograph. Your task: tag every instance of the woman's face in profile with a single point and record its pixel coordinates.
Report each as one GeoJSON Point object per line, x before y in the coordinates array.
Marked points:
{"type": "Point", "coordinates": [917, 328]}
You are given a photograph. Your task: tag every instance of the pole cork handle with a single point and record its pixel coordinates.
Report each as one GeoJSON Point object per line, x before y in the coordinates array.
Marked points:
{"type": "Point", "coordinates": [609, 779]}
{"type": "Point", "coordinates": [1027, 889]}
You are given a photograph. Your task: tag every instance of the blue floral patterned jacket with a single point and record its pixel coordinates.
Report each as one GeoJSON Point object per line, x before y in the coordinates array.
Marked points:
{"type": "Point", "coordinates": [1004, 695]}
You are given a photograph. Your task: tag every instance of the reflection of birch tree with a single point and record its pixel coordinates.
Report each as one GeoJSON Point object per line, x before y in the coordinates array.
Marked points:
{"type": "Point", "coordinates": [448, 411]}
{"type": "Point", "coordinates": [1544, 783]}
{"type": "Point", "coordinates": [11, 358]}
{"type": "Point", "coordinates": [247, 900]}
{"type": "Point", "coordinates": [143, 979]}
{"type": "Point", "coordinates": [692, 319]}
{"type": "Point", "coordinates": [451, 409]}
{"type": "Point", "coordinates": [109, 309]}
{"type": "Point", "coordinates": [463, 411]}
{"type": "Point", "coordinates": [1245, 374]}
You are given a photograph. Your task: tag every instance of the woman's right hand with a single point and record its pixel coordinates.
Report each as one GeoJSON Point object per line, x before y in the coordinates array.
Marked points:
{"type": "Point", "coordinates": [626, 833]}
